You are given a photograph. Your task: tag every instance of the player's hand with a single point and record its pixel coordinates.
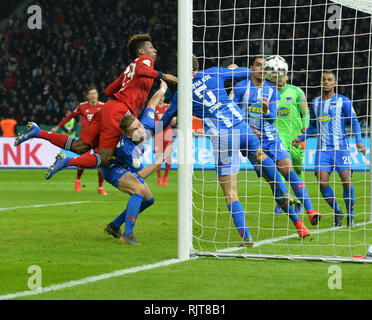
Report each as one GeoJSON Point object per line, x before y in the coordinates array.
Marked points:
{"type": "Point", "coordinates": [296, 142]}
{"type": "Point", "coordinates": [170, 78]}
{"type": "Point", "coordinates": [55, 129]}
{"type": "Point", "coordinates": [257, 133]}
{"type": "Point", "coordinates": [361, 148]}
{"type": "Point", "coordinates": [232, 66]}
{"type": "Point", "coordinates": [163, 85]}
{"type": "Point", "coordinates": [265, 105]}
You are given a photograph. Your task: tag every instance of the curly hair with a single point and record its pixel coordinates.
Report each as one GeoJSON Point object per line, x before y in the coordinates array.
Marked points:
{"type": "Point", "coordinates": [136, 42]}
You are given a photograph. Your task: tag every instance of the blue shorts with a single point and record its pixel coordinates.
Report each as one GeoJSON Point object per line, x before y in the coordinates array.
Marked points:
{"type": "Point", "coordinates": [228, 145]}
{"type": "Point", "coordinates": [329, 160]}
{"type": "Point", "coordinates": [113, 175]}
{"type": "Point", "coordinates": [274, 149]}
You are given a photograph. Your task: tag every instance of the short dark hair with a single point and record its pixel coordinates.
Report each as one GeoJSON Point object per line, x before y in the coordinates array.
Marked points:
{"type": "Point", "coordinates": [126, 122]}
{"type": "Point", "coordinates": [90, 88]}
{"type": "Point", "coordinates": [195, 63]}
{"type": "Point", "coordinates": [330, 72]}
{"type": "Point", "coordinates": [253, 59]}
{"type": "Point", "coordinates": [136, 42]}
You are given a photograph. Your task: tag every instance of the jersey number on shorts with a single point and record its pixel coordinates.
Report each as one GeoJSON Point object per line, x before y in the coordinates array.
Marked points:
{"type": "Point", "coordinates": [347, 160]}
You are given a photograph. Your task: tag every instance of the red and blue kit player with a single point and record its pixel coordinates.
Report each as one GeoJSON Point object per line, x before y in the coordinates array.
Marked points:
{"type": "Point", "coordinates": [127, 172]}
{"type": "Point", "coordinates": [330, 113]}
{"type": "Point", "coordinates": [129, 93]}
{"type": "Point", "coordinates": [229, 134]}
{"type": "Point", "coordinates": [85, 111]}
{"type": "Point", "coordinates": [163, 140]}
{"type": "Point", "coordinates": [258, 100]}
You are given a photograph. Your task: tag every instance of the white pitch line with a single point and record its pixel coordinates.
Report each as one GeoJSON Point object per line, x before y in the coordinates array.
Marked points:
{"type": "Point", "coordinates": [104, 276]}
{"type": "Point", "coordinates": [164, 263]}
{"type": "Point", "coordinates": [45, 205]}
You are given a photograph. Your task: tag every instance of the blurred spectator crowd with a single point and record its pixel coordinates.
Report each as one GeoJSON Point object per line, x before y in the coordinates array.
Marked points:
{"type": "Point", "coordinates": [44, 73]}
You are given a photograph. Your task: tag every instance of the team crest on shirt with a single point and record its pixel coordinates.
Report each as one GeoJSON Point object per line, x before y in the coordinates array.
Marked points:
{"type": "Point", "coordinates": [289, 100]}
{"type": "Point", "coordinates": [151, 115]}
{"type": "Point", "coordinates": [136, 162]}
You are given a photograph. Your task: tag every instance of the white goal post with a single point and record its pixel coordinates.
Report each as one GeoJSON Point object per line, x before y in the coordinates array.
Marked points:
{"type": "Point", "coordinates": [205, 227]}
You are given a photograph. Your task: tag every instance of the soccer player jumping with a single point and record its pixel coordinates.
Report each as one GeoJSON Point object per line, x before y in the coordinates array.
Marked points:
{"type": "Point", "coordinates": [128, 92]}
{"type": "Point", "coordinates": [329, 114]}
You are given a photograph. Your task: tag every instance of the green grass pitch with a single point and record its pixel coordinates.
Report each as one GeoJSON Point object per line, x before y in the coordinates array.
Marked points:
{"type": "Point", "coordinates": [67, 242]}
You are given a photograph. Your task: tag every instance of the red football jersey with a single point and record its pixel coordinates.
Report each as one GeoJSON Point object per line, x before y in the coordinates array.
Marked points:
{"type": "Point", "coordinates": [86, 112]}
{"type": "Point", "coordinates": [159, 113]}
{"type": "Point", "coordinates": [134, 84]}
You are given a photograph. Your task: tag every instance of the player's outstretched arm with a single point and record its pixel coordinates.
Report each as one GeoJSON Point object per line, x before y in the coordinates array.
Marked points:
{"type": "Point", "coordinates": [66, 119]}
{"type": "Point", "coordinates": [155, 99]}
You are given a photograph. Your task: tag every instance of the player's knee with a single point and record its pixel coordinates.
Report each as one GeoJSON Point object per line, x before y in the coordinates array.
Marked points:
{"type": "Point", "coordinates": [139, 188]}
{"type": "Point", "coordinates": [323, 185]}
{"type": "Point", "coordinates": [79, 147]}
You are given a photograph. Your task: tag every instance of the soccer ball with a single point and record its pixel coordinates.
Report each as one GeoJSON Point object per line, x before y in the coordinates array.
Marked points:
{"type": "Point", "coordinates": [275, 68]}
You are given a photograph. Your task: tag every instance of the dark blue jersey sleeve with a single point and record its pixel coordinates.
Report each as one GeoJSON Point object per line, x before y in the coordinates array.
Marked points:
{"type": "Point", "coordinates": [148, 119]}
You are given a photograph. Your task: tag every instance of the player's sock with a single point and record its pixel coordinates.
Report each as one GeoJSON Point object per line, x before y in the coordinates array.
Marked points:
{"type": "Point", "coordinates": [79, 173]}
{"type": "Point", "coordinates": [100, 179]}
{"type": "Point", "coordinates": [270, 170]}
{"type": "Point", "coordinates": [349, 197]}
{"type": "Point", "coordinates": [61, 140]}
{"type": "Point", "coordinates": [299, 189]}
{"type": "Point", "coordinates": [120, 219]}
{"type": "Point", "coordinates": [282, 202]}
{"type": "Point", "coordinates": [238, 215]}
{"type": "Point", "coordinates": [133, 209]}
{"type": "Point", "coordinates": [329, 196]}
{"type": "Point", "coordinates": [167, 168]}
{"type": "Point", "coordinates": [159, 172]}
{"type": "Point", "coordinates": [87, 160]}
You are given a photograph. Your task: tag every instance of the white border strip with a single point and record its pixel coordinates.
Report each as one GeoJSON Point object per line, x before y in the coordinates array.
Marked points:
{"type": "Point", "coordinates": [45, 205]}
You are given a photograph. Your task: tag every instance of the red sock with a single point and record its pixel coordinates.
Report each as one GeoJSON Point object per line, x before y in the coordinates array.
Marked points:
{"type": "Point", "coordinates": [79, 173]}
{"type": "Point", "coordinates": [100, 179]}
{"type": "Point", "coordinates": [58, 139]}
{"type": "Point", "coordinates": [87, 160]}
{"type": "Point", "coordinates": [159, 172]}
{"type": "Point", "coordinates": [167, 168]}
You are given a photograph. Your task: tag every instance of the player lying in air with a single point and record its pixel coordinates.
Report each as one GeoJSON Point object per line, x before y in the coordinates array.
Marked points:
{"type": "Point", "coordinates": [129, 93]}
{"type": "Point", "coordinates": [225, 126]}
{"type": "Point", "coordinates": [128, 174]}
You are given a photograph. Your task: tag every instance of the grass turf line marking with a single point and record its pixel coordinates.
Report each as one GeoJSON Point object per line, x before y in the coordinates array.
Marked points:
{"type": "Point", "coordinates": [164, 263]}
{"type": "Point", "coordinates": [104, 276]}
{"type": "Point", "coordinates": [45, 205]}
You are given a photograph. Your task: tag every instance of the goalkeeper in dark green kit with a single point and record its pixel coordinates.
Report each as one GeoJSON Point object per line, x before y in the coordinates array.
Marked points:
{"type": "Point", "coordinates": [292, 119]}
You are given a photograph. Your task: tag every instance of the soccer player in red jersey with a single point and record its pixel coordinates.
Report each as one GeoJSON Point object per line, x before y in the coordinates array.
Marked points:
{"type": "Point", "coordinates": [129, 93]}
{"type": "Point", "coordinates": [85, 111]}
{"type": "Point", "coordinates": [162, 140]}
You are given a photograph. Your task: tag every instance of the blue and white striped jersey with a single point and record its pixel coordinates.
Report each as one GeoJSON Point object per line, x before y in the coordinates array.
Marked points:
{"type": "Point", "coordinates": [211, 102]}
{"type": "Point", "coordinates": [328, 122]}
{"type": "Point", "coordinates": [249, 99]}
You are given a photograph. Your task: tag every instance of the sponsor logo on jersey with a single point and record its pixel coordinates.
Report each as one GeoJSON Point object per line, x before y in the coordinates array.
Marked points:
{"type": "Point", "coordinates": [255, 110]}
{"type": "Point", "coordinates": [325, 117]}
{"type": "Point", "coordinates": [147, 62]}
{"type": "Point", "coordinates": [283, 112]}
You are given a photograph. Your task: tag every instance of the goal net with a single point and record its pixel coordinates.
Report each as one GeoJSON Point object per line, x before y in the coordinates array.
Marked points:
{"type": "Point", "coordinates": [314, 37]}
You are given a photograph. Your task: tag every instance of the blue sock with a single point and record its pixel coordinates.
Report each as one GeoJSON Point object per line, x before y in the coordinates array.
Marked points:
{"type": "Point", "coordinates": [349, 197]}
{"type": "Point", "coordinates": [133, 209]}
{"type": "Point", "coordinates": [281, 201]}
{"type": "Point", "coordinates": [120, 219]}
{"type": "Point", "coordinates": [299, 189]}
{"type": "Point", "coordinates": [238, 216]}
{"type": "Point", "coordinates": [329, 196]}
{"type": "Point", "coordinates": [271, 172]}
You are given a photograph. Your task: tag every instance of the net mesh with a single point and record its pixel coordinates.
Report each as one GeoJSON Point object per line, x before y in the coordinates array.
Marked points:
{"type": "Point", "coordinates": [312, 36]}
